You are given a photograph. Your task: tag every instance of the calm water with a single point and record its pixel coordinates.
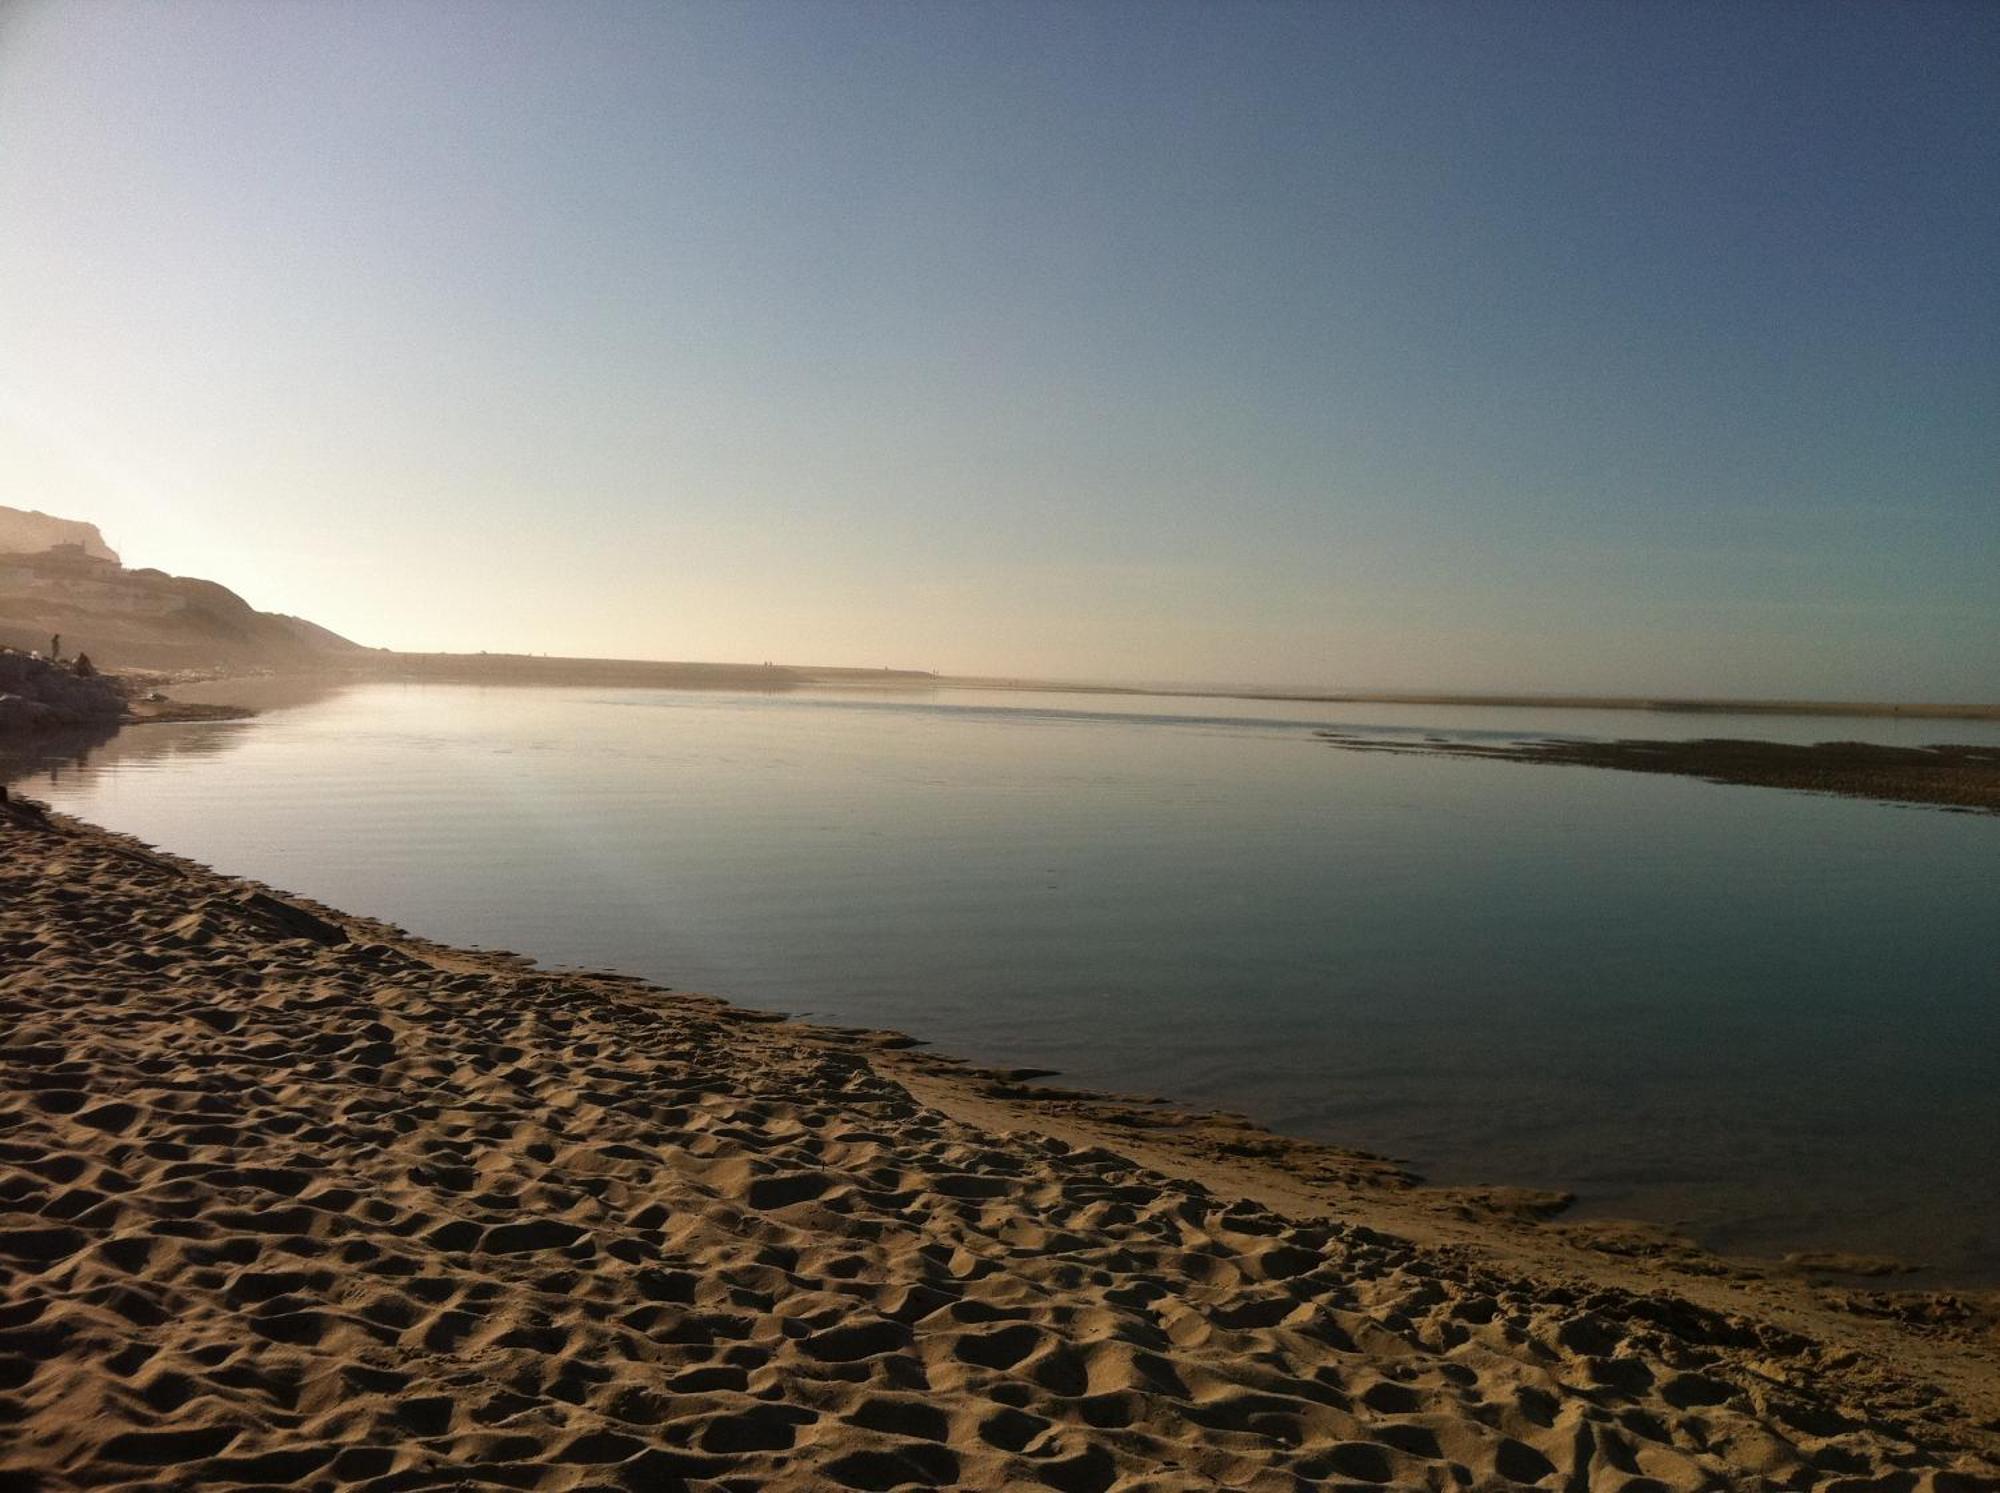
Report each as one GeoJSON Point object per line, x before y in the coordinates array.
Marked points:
{"type": "Point", "coordinates": [1770, 1016]}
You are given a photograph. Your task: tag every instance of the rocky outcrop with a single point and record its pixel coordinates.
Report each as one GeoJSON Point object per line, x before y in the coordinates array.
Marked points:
{"type": "Point", "coordinates": [37, 695]}
{"type": "Point", "coordinates": [24, 531]}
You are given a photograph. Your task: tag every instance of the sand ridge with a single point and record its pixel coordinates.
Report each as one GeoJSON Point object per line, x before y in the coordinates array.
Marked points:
{"type": "Point", "coordinates": [1964, 779]}
{"type": "Point", "coordinates": [286, 1204]}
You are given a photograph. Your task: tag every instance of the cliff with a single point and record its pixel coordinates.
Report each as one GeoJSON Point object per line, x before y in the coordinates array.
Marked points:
{"type": "Point", "coordinates": [23, 531]}
{"type": "Point", "coordinates": [138, 618]}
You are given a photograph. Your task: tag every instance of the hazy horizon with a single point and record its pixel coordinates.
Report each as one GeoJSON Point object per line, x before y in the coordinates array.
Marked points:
{"type": "Point", "coordinates": [1603, 348]}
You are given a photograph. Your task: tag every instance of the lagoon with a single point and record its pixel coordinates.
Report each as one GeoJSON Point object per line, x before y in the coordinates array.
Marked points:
{"type": "Point", "coordinates": [1772, 1018]}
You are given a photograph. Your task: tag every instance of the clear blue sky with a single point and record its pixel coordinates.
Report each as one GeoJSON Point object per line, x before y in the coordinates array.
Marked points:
{"type": "Point", "coordinates": [1610, 347]}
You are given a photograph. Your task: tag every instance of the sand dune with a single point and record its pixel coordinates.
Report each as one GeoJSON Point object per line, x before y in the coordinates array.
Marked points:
{"type": "Point", "coordinates": [290, 1201]}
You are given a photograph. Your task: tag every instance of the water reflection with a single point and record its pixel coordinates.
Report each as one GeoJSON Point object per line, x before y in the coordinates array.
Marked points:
{"type": "Point", "coordinates": [48, 753]}
{"type": "Point", "coordinates": [46, 756]}
{"type": "Point", "coordinates": [1768, 1014]}
{"type": "Point", "coordinates": [45, 759]}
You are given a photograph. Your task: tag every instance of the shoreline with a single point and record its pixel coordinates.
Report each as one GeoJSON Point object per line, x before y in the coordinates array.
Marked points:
{"type": "Point", "coordinates": [1015, 1147]}
{"type": "Point", "coordinates": [1955, 779]}
{"type": "Point", "coordinates": [364, 665]}
{"type": "Point", "coordinates": [1883, 1254]}
{"type": "Point", "coordinates": [1664, 705]}
{"type": "Point", "coordinates": [1196, 1130]}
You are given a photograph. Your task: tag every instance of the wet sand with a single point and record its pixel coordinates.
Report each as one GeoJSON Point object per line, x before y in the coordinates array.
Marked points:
{"type": "Point", "coordinates": [1953, 777]}
{"type": "Point", "coordinates": [290, 1198]}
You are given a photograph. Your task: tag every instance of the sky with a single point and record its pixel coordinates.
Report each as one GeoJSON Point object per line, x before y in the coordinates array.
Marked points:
{"type": "Point", "coordinates": [1595, 347]}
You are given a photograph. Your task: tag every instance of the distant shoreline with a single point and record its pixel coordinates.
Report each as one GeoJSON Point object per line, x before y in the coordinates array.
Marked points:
{"type": "Point", "coordinates": [1961, 778]}
{"type": "Point", "coordinates": [541, 670]}
{"type": "Point", "coordinates": [638, 673]}
{"type": "Point", "coordinates": [1867, 708]}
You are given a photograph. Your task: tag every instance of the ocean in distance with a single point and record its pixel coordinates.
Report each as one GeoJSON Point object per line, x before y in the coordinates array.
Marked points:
{"type": "Point", "coordinates": [1771, 1018]}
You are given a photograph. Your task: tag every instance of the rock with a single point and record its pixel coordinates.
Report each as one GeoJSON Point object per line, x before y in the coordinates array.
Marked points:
{"type": "Point", "coordinates": [36, 695]}
{"type": "Point", "coordinates": [293, 922]}
{"type": "Point", "coordinates": [26, 531]}
{"type": "Point", "coordinates": [19, 714]}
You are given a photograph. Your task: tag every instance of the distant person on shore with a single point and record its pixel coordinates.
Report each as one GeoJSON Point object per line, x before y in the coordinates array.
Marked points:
{"type": "Point", "coordinates": [55, 648]}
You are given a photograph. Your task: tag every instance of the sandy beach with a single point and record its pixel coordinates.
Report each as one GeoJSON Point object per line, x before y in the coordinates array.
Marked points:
{"type": "Point", "coordinates": [293, 1199]}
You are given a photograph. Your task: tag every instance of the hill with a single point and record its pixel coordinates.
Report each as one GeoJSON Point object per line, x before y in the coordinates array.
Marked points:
{"type": "Point", "coordinates": [57, 576]}
{"type": "Point", "coordinates": [74, 585]}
